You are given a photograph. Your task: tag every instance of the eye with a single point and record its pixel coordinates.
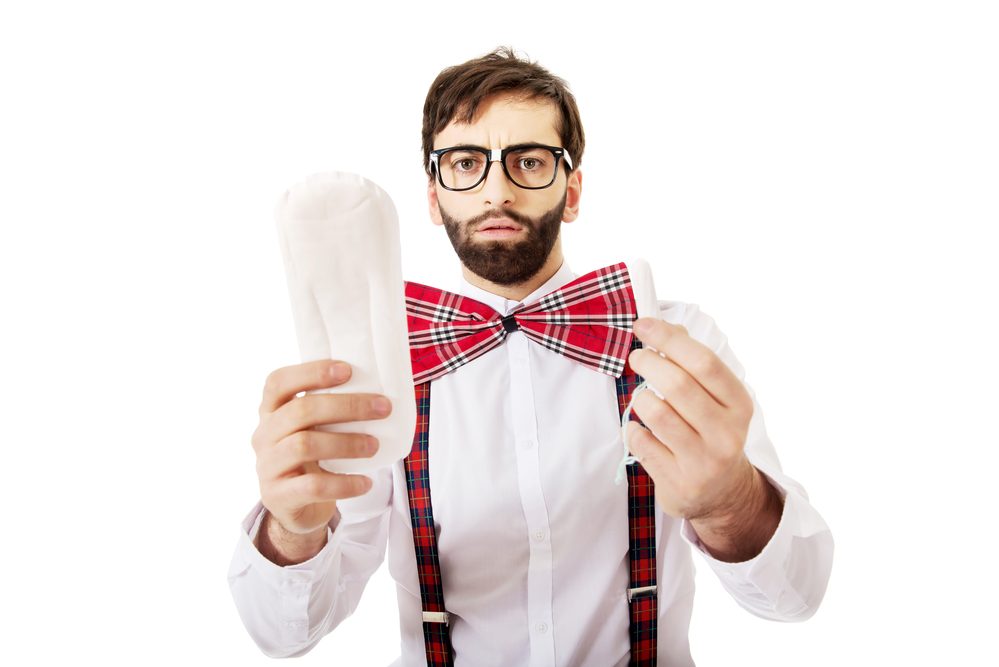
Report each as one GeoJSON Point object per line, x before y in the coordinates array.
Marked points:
{"type": "Point", "coordinates": [529, 160]}
{"type": "Point", "coordinates": [465, 162]}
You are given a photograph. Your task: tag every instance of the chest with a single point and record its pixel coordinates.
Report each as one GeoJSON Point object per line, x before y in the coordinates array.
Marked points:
{"type": "Point", "coordinates": [523, 441]}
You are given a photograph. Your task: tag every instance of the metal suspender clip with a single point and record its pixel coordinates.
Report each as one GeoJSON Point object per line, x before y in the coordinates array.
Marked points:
{"type": "Point", "coordinates": [640, 592]}
{"type": "Point", "coordinates": [437, 617]}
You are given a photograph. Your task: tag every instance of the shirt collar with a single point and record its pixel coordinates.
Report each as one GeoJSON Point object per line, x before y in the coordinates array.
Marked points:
{"type": "Point", "coordinates": [503, 305]}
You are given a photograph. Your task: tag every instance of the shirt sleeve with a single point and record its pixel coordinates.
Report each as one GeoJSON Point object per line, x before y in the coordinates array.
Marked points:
{"type": "Point", "coordinates": [287, 610]}
{"type": "Point", "coordinates": [787, 580]}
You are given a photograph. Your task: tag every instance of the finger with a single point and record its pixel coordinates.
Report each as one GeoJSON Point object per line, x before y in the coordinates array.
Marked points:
{"type": "Point", "coordinates": [314, 409]}
{"type": "Point", "coordinates": [317, 487]}
{"type": "Point", "coordinates": [700, 362]}
{"type": "Point", "coordinates": [684, 395]}
{"type": "Point", "coordinates": [665, 424]}
{"type": "Point", "coordinates": [311, 446]}
{"type": "Point", "coordinates": [283, 384]}
{"type": "Point", "coordinates": [655, 456]}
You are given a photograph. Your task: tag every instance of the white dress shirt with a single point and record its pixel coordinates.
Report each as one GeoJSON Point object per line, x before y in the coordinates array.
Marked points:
{"type": "Point", "coordinates": [533, 532]}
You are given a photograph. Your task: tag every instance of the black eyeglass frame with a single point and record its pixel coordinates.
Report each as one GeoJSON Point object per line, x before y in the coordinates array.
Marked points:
{"type": "Point", "coordinates": [499, 155]}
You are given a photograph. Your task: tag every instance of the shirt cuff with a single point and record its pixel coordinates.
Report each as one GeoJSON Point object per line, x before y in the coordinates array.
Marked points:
{"type": "Point", "coordinates": [292, 585]}
{"type": "Point", "coordinates": [762, 583]}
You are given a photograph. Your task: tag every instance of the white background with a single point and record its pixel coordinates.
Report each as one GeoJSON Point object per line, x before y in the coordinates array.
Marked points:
{"type": "Point", "coordinates": [820, 178]}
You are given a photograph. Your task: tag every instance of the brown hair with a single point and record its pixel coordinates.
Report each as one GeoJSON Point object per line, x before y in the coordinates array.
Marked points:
{"type": "Point", "coordinates": [457, 92]}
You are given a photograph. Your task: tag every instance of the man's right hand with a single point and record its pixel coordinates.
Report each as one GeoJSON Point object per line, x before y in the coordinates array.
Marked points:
{"type": "Point", "coordinates": [299, 495]}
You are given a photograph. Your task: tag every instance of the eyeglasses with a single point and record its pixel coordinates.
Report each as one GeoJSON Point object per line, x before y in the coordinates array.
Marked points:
{"type": "Point", "coordinates": [528, 166]}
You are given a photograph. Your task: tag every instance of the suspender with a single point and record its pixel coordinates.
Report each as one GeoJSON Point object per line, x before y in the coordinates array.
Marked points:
{"type": "Point", "coordinates": [428, 567]}
{"type": "Point", "coordinates": [642, 591]}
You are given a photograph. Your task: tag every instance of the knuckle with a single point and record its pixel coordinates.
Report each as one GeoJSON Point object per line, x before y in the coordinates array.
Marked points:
{"type": "Point", "coordinates": [675, 384]}
{"type": "Point", "coordinates": [272, 383]}
{"type": "Point", "coordinates": [301, 445]}
{"type": "Point", "coordinates": [357, 406]}
{"type": "Point", "coordinates": [649, 406]}
{"type": "Point", "coordinates": [301, 410]}
{"type": "Point", "coordinates": [314, 486]}
{"type": "Point", "coordinates": [260, 440]}
{"type": "Point", "coordinates": [657, 410]}
{"type": "Point", "coordinates": [705, 365]}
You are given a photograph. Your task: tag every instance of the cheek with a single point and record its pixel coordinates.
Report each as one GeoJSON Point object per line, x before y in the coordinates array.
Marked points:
{"type": "Point", "coordinates": [455, 207]}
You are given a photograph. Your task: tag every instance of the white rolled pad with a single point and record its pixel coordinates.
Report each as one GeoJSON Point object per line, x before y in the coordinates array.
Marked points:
{"type": "Point", "coordinates": [646, 304]}
{"type": "Point", "coordinates": [339, 237]}
{"type": "Point", "coordinates": [643, 287]}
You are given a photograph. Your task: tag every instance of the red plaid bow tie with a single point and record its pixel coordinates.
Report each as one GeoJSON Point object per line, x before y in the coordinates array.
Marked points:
{"type": "Point", "coordinates": [588, 320]}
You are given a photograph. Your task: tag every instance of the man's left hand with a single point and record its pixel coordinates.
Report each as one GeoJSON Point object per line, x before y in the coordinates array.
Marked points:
{"type": "Point", "coordinates": [693, 440]}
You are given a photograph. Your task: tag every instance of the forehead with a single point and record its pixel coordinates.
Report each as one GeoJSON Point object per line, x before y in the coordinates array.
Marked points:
{"type": "Point", "coordinates": [502, 120]}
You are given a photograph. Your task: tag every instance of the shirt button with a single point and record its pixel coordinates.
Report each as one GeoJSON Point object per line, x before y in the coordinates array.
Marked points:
{"type": "Point", "coordinates": [541, 627]}
{"type": "Point", "coordinates": [528, 444]}
{"type": "Point", "coordinates": [539, 536]}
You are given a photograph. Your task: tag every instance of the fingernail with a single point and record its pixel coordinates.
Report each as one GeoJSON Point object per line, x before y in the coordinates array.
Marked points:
{"type": "Point", "coordinates": [381, 406]}
{"type": "Point", "coordinates": [642, 326]}
{"type": "Point", "coordinates": [372, 445]}
{"type": "Point", "coordinates": [340, 372]}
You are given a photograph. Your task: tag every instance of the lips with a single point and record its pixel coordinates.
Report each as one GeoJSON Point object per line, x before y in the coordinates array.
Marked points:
{"type": "Point", "coordinates": [499, 224]}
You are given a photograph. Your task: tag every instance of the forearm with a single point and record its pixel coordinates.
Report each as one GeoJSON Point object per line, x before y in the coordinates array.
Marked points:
{"type": "Point", "coordinates": [739, 531]}
{"type": "Point", "coordinates": [282, 547]}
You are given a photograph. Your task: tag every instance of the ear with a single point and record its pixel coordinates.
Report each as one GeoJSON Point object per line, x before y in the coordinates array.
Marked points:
{"type": "Point", "coordinates": [435, 207]}
{"type": "Point", "coordinates": [573, 191]}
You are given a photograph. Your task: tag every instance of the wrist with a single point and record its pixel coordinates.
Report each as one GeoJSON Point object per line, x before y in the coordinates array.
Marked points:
{"type": "Point", "coordinates": [739, 529]}
{"type": "Point", "coordinates": [283, 547]}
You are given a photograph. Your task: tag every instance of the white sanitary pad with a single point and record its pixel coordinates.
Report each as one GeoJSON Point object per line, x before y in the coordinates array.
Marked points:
{"type": "Point", "coordinates": [339, 237]}
{"type": "Point", "coordinates": [647, 305]}
{"type": "Point", "coordinates": [643, 287]}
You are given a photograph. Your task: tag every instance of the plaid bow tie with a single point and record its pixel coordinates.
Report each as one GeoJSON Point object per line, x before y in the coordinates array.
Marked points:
{"type": "Point", "coordinates": [588, 320]}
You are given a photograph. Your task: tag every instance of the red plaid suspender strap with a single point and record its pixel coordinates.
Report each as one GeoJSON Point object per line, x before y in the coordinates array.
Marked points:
{"type": "Point", "coordinates": [421, 513]}
{"type": "Point", "coordinates": [642, 596]}
{"type": "Point", "coordinates": [642, 591]}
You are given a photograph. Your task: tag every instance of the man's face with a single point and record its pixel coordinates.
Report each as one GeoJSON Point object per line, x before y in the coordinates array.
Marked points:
{"type": "Point", "coordinates": [525, 223]}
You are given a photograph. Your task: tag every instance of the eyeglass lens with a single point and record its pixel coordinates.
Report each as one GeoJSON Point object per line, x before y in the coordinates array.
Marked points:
{"type": "Point", "coordinates": [528, 167]}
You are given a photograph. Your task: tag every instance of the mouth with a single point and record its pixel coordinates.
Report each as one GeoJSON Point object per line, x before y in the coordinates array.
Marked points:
{"type": "Point", "coordinates": [499, 227]}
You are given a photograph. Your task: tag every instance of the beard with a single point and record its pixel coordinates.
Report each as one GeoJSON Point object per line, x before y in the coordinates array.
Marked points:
{"type": "Point", "coordinates": [506, 262]}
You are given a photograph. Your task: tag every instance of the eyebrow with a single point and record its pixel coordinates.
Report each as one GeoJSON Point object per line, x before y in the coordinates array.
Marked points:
{"type": "Point", "coordinates": [527, 144]}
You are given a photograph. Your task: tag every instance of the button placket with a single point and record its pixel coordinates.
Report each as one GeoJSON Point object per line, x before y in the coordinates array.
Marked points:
{"type": "Point", "coordinates": [539, 569]}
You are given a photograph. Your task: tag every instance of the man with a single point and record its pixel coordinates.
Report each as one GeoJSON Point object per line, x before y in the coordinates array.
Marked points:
{"type": "Point", "coordinates": [532, 533]}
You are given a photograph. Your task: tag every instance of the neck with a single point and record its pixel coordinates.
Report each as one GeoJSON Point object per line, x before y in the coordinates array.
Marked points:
{"type": "Point", "coordinates": [518, 291]}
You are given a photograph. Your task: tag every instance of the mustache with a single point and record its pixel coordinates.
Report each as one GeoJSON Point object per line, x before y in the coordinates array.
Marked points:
{"type": "Point", "coordinates": [519, 218]}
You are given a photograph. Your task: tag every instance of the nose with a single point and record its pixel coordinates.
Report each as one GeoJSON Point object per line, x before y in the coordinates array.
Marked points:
{"type": "Point", "coordinates": [497, 190]}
